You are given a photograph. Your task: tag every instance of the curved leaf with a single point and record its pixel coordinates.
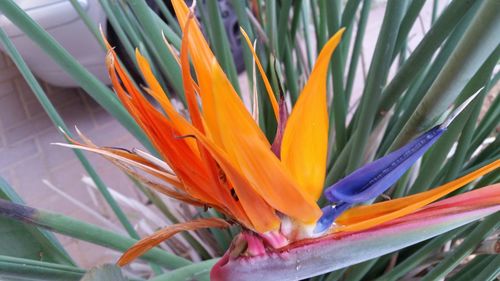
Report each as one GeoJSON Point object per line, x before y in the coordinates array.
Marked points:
{"type": "Point", "coordinates": [30, 270]}
{"type": "Point", "coordinates": [28, 242]}
{"type": "Point", "coordinates": [107, 272]}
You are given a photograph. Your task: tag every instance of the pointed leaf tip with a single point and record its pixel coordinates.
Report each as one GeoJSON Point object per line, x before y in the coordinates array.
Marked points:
{"type": "Point", "coordinates": [459, 109]}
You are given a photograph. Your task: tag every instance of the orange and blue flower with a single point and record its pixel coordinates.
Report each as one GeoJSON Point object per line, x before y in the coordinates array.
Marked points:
{"type": "Point", "coordinates": [220, 158]}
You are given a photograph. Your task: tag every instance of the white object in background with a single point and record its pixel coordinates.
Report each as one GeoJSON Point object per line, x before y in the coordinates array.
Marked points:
{"type": "Point", "coordinates": [60, 19]}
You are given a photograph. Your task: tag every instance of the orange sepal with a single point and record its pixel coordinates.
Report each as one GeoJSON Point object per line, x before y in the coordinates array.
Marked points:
{"type": "Point", "coordinates": [305, 140]}
{"type": "Point", "coordinates": [363, 217]}
{"type": "Point", "coordinates": [255, 158]}
{"type": "Point", "coordinates": [156, 238]}
{"type": "Point", "coordinates": [261, 215]}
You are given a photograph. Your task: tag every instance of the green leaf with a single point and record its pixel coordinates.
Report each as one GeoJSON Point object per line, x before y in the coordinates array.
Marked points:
{"type": "Point", "coordinates": [96, 89]}
{"type": "Point", "coordinates": [220, 42]}
{"type": "Point", "coordinates": [473, 268]}
{"type": "Point", "coordinates": [88, 22]}
{"type": "Point", "coordinates": [22, 241]}
{"type": "Point", "coordinates": [491, 271]}
{"type": "Point", "coordinates": [338, 108]}
{"type": "Point", "coordinates": [164, 58]}
{"type": "Point", "coordinates": [358, 271]}
{"type": "Point", "coordinates": [85, 232]}
{"type": "Point", "coordinates": [459, 69]}
{"type": "Point", "coordinates": [407, 23]}
{"type": "Point", "coordinates": [197, 271]}
{"type": "Point", "coordinates": [58, 122]}
{"type": "Point", "coordinates": [358, 45]}
{"type": "Point", "coordinates": [437, 155]}
{"type": "Point", "coordinates": [422, 81]}
{"type": "Point", "coordinates": [424, 51]}
{"type": "Point", "coordinates": [283, 15]}
{"type": "Point", "coordinates": [172, 22]}
{"type": "Point", "coordinates": [108, 272]}
{"type": "Point", "coordinates": [377, 76]}
{"type": "Point", "coordinates": [18, 269]}
{"type": "Point", "coordinates": [487, 125]}
{"type": "Point", "coordinates": [453, 259]}
{"type": "Point", "coordinates": [420, 255]}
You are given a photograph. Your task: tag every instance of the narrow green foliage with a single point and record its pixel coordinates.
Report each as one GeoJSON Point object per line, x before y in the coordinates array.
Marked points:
{"type": "Point", "coordinates": [338, 110]}
{"type": "Point", "coordinates": [28, 242]}
{"type": "Point", "coordinates": [358, 271]}
{"type": "Point", "coordinates": [292, 75]}
{"type": "Point", "coordinates": [164, 58]}
{"type": "Point", "coordinates": [466, 59]}
{"type": "Point", "coordinates": [306, 19]}
{"type": "Point", "coordinates": [407, 23]}
{"type": "Point", "coordinates": [420, 255]}
{"type": "Point", "coordinates": [422, 82]}
{"type": "Point", "coordinates": [439, 152]}
{"type": "Point", "coordinates": [220, 42]}
{"type": "Point", "coordinates": [198, 271]}
{"type": "Point", "coordinates": [488, 123]}
{"type": "Point", "coordinates": [97, 90]}
{"type": "Point", "coordinates": [294, 26]}
{"type": "Point", "coordinates": [424, 51]}
{"type": "Point", "coordinates": [117, 21]}
{"type": "Point", "coordinates": [85, 232]}
{"type": "Point", "coordinates": [244, 22]}
{"type": "Point", "coordinates": [58, 122]}
{"type": "Point", "coordinates": [451, 260]}
{"type": "Point", "coordinates": [491, 270]}
{"type": "Point", "coordinates": [335, 275]}
{"type": "Point", "coordinates": [377, 76]}
{"type": "Point", "coordinates": [12, 268]}
{"type": "Point", "coordinates": [281, 29]}
{"type": "Point", "coordinates": [358, 45]}
{"type": "Point", "coordinates": [473, 268]}
{"type": "Point", "coordinates": [88, 22]}
{"type": "Point", "coordinates": [171, 21]}
{"type": "Point", "coordinates": [104, 272]}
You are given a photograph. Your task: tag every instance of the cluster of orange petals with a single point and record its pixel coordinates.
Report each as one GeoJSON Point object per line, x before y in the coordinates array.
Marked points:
{"type": "Point", "coordinates": [220, 157]}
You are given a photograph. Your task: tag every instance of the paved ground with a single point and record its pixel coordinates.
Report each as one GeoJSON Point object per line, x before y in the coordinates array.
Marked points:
{"type": "Point", "coordinates": [26, 156]}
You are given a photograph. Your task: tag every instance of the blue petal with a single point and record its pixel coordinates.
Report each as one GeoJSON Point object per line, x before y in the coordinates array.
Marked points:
{"type": "Point", "coordinates": [374, 178]}
{"type": "Point", "coordinates": [330, 213]}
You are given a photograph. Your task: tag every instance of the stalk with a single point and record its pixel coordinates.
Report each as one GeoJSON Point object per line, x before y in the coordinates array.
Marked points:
{"type": "Point", "coordinates": [85, 232]}
{"type": "Point", "coordinates": [27, 269]}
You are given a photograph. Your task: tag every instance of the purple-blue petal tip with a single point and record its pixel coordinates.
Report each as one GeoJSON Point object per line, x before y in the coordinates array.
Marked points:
{"type": "Point", "coordinates": [376, 177]}
{"type": "Point", "coordinates": [330, 213]}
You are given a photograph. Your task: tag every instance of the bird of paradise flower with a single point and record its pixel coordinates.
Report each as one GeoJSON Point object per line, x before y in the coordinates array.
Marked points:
{"type": "Point", "coordinates": [221, 159]}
